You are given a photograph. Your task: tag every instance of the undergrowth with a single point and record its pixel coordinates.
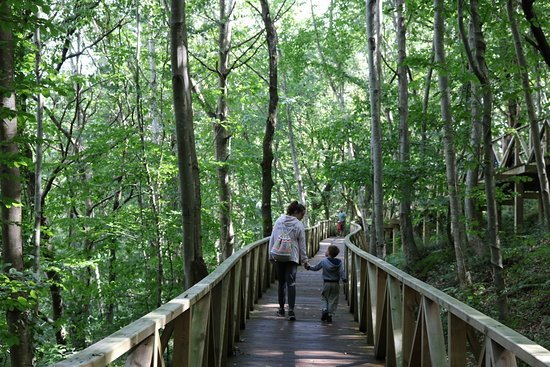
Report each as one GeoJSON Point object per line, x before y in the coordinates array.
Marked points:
{"type": "Point", "coordinates": [526, 260]}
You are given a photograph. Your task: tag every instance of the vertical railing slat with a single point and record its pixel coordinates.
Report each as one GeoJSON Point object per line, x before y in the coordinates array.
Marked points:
{"type": "Point", "coordinates": [395, 321]}
{"type": "Point", "coordinates": [457, 335]}
{"type": "Point", "coordinates": [142, 354]}
{"type": "Point", "coordinates": [434, 330]}
{"type": "Point", "coordinates": [182, 340]}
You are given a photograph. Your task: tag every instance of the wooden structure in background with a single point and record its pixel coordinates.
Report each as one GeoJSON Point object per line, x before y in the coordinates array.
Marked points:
{"type": "Point", "coordinates": [403, 318]}
{"type": "Point", "coordinates": [516, 168]}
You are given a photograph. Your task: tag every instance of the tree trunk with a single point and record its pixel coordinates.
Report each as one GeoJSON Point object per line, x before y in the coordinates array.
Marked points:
{"type": "Point", "coordinates": [222, 137]}
{"type": "Point", "coordinates": [539, 158]}
{"type": "Point", "coordinates": [156, 123]}
{"type": "Point", "coordinates": [425, 103]}
{"type": "Point", "coordinates": [156, 242]}
{"type": "Point", "coordinates": [471, 212]}
{"type": "Point", "coordinates": [37, 201]}
{"type": "Point", "coordinates": [373, 36]}
{"type": "Point", "coordinates": [405, 221]}
{"type": "Point", "coordinates": [21, 353]}
{"type": "Point", "coordinates": [541, 45]}
{"type": "Point", "coordinates": [479, 66]}
{"type": "Point", "coordinates": [450, 157]}
{"type": "Point", "coordinates": [293, 152]}
{"type": "Point", "coordinates": [194, 265]}
{"type": "Point", "coordinates": [271, 122]}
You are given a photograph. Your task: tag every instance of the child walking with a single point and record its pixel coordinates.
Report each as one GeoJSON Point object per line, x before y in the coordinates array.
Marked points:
{"type": "Point", "coordinates": [333, 271]}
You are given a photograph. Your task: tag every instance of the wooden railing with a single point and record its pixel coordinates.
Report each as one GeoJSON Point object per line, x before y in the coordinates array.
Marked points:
{"type": "Point", "coordinates": [516, 148]}
{"type": "Point", "coordinates": [410, 323]}
{"type": "Point", "coordinates": [203, 323]}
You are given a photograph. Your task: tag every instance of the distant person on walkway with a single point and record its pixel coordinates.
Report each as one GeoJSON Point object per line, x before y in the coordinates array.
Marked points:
{"type": "Point", "coordinates": [341, 228]}
{"type": "Point", "coordinates": [288, 229]}
{"type": "Point", "coordinates": [333, 271]}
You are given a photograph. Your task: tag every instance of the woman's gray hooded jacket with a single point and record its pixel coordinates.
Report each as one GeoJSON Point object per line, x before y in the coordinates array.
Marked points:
{"type": "Point", "coordinates": [297, 233]}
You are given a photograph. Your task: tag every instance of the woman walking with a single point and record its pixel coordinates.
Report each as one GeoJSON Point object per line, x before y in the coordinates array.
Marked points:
{"type": "Point", "coordinates": [289, 228]}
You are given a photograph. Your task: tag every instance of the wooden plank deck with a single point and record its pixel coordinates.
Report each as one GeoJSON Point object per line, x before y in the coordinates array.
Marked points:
{"type": "Point", "coordinates": [272, 341]}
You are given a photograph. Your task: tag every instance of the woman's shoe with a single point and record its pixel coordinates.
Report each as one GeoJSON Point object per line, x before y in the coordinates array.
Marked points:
{"type": "Point", "coordinates": [291, 316]}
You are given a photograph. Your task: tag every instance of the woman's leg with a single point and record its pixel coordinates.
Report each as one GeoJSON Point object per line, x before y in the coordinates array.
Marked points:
{"type": "Point", "coordinates": [291, 283]}
{"type": "Point", "coordinates": [282, 278]}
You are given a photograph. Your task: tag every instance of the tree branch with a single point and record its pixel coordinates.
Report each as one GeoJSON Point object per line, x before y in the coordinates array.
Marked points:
{"type": "Point", "coordinates": [541, 44]}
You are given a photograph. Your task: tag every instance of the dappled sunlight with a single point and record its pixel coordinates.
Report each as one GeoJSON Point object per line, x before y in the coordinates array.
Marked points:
{"type": "Point", "coordinates": [268, 353]}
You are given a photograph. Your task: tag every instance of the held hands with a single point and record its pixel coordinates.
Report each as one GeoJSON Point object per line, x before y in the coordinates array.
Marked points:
{"type": "Point", "coordinates": [307, 266]}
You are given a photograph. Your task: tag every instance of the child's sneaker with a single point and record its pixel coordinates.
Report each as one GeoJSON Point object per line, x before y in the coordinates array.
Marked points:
{"type": "Point", "coordinates": [324, 315]}
{"type": "Point", "coordinates": [291, 316]}
{"type": "Point", "coordinates": [281, 312]}
{"type": "Point", "coordinates": [329, 319]}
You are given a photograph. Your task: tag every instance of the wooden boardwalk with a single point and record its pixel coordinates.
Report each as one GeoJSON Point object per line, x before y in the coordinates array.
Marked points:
{"type": "Point", "coordinates": [272, 341]}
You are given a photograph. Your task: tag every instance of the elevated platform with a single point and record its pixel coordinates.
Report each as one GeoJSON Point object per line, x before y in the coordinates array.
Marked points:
{"type": "Point", "coordinates": [269, 340]}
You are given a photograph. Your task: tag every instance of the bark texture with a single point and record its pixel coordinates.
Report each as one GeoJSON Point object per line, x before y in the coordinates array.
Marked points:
{"type": "Point", "coordinates": [194, 265]}
{"type": "Point", "coordinates": [450, 156]}
{"type": "Point", "coordinates": [373, 35]}
{"type": "Point", "coordinates": [21, 353]}
{"type": "Point", "coordinates": [471, 211]}
{"type": "Point", "coordinates": [222, 136]}
{"type": "Point", "coordinates": [479, 66]}
{"type": "Point", "coordinates": [405, 221]}
{"type": "Point", "coordinates": [271, 122]}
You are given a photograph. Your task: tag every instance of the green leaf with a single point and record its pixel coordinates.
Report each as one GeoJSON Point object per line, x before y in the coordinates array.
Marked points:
{"type": "Point", "coordinates": [22, 301]}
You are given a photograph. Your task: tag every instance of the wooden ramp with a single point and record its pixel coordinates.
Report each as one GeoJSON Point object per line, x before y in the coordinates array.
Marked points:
{"type": "Point", "coordinates": [270, 341]}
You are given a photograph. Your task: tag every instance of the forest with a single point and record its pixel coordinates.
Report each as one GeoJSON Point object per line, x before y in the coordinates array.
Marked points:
{"type": "Point", "coordinates": [143, 142]}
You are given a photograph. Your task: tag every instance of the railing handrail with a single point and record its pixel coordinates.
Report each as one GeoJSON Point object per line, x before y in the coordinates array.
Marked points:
{"type": "Point", "coordinates": [136, 333]}
{"type": "Point", "coordinates": [515, 130]}
{"type": "Point", "coordinates": [519, 345]}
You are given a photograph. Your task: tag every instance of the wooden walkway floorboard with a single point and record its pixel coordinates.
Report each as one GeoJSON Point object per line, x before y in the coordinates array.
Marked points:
{"type": "Point", "coordinates": [272, 341]}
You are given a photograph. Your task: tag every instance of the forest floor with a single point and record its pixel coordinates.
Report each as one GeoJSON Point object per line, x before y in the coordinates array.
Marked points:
{"type": "Point", "coordinates": [526, 260]}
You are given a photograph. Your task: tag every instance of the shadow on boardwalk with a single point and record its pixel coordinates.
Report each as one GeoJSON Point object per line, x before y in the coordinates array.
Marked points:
{"type": "Point", "coordinates": [270, 341]}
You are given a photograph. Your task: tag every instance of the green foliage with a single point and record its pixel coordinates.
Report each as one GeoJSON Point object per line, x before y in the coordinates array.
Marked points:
{"type": "Point", "coordinates": [112, 207]}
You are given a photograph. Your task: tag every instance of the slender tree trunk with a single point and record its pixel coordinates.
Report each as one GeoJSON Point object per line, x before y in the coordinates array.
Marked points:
{"type": "Point", "coordinates": [156, 123]}
{"type": "Point", "coordinates": [112, 275]}
{"type": "Point", "coordinates": [479, 66]}
{"type": "Point", "coordinates": [405, 221]}
{"type": "Point", "coordinates": [535, 134]}
{"type": "Point", "coordinates": [271, 122]}
{"type": "Point", "coordinates": [373, 36]}
{"type": "Point", "coordinates": [156, 242]}
{"type": "Point", "coordinates": [364, 197]}
{"type": "Point", "coordinates": [425, 103]}
{"type": "Point", "coordinates": [222, 137]}
{"type": "Point", "coordinates": [21, 353]}
{"type": "Point", "coordinates": [293, 152]}
{"type": "Point", "coordinates": [471, 211]}
{"type": "Point", "coordinates": [38, 156]}
{"type": "Point", "coordinates": [194, 265]}
{"type": "Point", "coordinates": [450, 157]}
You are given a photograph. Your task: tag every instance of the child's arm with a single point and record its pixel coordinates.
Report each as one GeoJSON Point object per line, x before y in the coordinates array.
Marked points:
{"type": "Point", "coordinates": [343, 274]}
{"type": "Point", "coordinates": [315, 267]}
